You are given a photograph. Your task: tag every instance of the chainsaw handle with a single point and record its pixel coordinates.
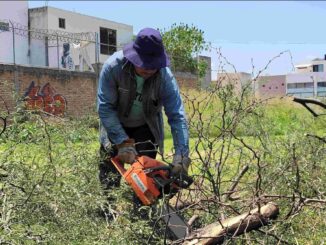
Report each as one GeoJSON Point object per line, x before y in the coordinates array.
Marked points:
{"type": "Point", "coordinates": [118, 165]}
{"type": "Point", "coordinates": [164, 168]}
{"type": "Point", "coordinates": [184, 181]}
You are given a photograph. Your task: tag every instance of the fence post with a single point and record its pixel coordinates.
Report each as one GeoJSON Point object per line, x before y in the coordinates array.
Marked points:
{"type": "Point", "coordinates": [13, 42]}
{"type": "Point", "coordinates": [58, 59]}
{"type": "Point", "coordinates": [97, 64]}
{"type": "Point", "coordinates": [97, 48]}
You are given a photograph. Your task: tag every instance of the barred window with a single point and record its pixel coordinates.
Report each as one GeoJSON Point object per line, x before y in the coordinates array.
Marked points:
{"type": "Point", "coordinates": [62, 23]}
{"type": "Point", "coordinates": [108, 40]}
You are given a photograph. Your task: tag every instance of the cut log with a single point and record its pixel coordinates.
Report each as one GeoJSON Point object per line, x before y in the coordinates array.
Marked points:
{"type": "Point", "coordinates": [215, 233]}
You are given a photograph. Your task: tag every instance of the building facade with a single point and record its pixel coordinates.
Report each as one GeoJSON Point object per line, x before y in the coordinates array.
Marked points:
{"type": "Point", "coordinates": [14, 48]}
{"type": "Point", "coordinates": [309, 80]}
{"type": "Point", "coordinates": [270, 86]}
{"type": "Point", "coordinates": [75, 38]}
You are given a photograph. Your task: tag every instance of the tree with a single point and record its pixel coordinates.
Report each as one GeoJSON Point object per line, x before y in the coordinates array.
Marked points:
{"type": "Point", "coordinates": [183, 43]}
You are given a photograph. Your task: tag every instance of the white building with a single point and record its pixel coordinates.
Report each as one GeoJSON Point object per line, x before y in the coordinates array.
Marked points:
{"type": "Point", "coordinates": [13, 48]}
{"type": "Point", "coordinates": [309, 80]}
{"type": "Point", "coordinates": [316, 65]}
{"type": "Point", "coordinates": [48, 51]}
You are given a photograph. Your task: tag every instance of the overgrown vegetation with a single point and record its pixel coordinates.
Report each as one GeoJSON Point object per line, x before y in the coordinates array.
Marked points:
{"type": "Point", "coordinates": [50, 191]}
{"type": "Point", "coordinates": [49, 188]}
{"type": "Point", "coordinates": [184, 43]}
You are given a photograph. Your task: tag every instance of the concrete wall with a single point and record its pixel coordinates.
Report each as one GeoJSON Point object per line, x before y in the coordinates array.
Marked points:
{"type": "Point", "coordinates": [60, 92]}
{"type": "Point", "coordinates": [303, 68]}
{"type": "Point", "coordinates": [207, 79]}
{"type": "Point", "coordinates": [17, 12]}
{"type": "Point", "coordinates": [187, 80]}
{"type": "Point", "coordinates": [38, 47]}
{"type": "Point", "coordinates": [271, 86]}
{"type": "Point", "coordinates": [48, 18]}
{"type": "Point", "coordinates": [239, 79]}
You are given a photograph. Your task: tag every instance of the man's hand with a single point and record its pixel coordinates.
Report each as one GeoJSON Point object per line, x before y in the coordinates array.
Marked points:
{"type": "Point", "coordinates": [180, 164]}
{"type": "Point", "coordinates": [126, 151]}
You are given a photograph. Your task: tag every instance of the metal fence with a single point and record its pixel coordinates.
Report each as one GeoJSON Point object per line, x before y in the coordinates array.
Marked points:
{"type": "Point", "coordinates": [49, 48]}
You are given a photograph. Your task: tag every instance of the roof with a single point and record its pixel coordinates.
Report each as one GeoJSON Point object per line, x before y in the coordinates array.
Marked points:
{"type": "Point", "coordinates": [303, 65]}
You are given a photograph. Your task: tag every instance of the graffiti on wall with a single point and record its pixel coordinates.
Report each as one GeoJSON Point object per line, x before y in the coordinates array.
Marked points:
{"type": "Point", "coordinates": [45, 99]}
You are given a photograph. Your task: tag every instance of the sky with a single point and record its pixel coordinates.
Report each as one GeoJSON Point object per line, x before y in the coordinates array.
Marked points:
{"type": "Point", "coordinates": [247, 33]}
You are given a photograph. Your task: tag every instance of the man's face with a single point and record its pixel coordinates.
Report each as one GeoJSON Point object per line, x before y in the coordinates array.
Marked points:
{"type": "Point", "coordinates": [144, 73]}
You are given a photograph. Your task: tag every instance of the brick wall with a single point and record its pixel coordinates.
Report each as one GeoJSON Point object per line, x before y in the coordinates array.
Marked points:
{"type": "Point", "coordinates": [71, 92]}
{"type": "Point", "coordinates": [60, 92]}
{"type": "Point", "coordinates": [186, 80]}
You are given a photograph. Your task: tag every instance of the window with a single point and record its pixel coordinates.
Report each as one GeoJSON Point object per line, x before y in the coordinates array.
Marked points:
{"type": "Point", "coordinates": [318, 68]}
{"type": "Point", "coordinates": [321, 84]}
{"type": "Point", "coordinates": [291, 85]}
{"type": "Point", "coordinates": [300, 85]}
{"type": "Point", "coordinates": [282, 84]}
{"type": "Point", "coordinates": [309, 85]}
{"type": "Point", "coordinates": [108, 41]}
{"type": "Point", "coordinates": [62, 23]}
{"type": "Point", "coordinates": [4, 26]}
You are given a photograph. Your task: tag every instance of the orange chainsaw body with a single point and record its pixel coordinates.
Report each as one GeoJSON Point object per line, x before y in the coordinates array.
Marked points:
{"type": "Point", "coordinates": [141, 179]}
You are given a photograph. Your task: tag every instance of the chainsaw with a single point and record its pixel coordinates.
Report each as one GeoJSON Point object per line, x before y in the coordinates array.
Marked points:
{"type": "Point", "coordinates": [151, 180]}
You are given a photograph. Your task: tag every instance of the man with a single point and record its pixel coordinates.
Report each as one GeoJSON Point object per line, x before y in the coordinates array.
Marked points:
{"type": "Point", "coordinates": [134, 85]}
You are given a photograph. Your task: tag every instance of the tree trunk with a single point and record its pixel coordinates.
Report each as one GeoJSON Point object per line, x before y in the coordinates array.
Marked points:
{"type": "Point", "coordinates": [215, 233]}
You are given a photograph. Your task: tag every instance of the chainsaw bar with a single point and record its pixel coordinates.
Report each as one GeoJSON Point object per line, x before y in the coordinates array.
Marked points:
{"type": "Point", "coordinates": [174, 222]}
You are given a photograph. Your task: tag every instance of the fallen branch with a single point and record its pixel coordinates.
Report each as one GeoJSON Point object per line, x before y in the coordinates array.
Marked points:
{"type": "Point", "coordinates": [215, 233]}
{"type": "Point", "coordinates": [304, 200]}
{"type": "Point", "coordinates": [236, 181]}
{"type": "Point", "coordinates": [192, 219]}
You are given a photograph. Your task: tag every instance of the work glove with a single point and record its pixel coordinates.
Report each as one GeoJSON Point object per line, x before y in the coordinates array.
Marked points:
{"type": "Point", "coordinates": [126, 151]}
{"type": "Point", "coordinates": [180, 165]}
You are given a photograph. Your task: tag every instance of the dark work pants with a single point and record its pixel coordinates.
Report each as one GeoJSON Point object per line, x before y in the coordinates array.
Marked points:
{"type": "Point", "coordinates": [109, 175]}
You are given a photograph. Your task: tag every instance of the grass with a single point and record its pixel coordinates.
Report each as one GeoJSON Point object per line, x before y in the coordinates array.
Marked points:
{"type": "Point", "coordinates": [49, 178]}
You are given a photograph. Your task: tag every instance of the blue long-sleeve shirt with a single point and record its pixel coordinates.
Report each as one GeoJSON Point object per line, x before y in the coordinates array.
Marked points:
{"type": "Point", "coordinates": [116, 85]}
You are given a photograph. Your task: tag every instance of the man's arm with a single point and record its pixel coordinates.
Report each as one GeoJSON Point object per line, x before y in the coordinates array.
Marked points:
{"type": "Point", "coordinates": [107, 97]}
{"type": "Point", "coordinates": [174, 110]}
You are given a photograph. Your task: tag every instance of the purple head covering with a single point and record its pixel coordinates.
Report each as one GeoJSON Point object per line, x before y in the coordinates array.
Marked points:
{"type": "Point", "coordinates": [147, 51]}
